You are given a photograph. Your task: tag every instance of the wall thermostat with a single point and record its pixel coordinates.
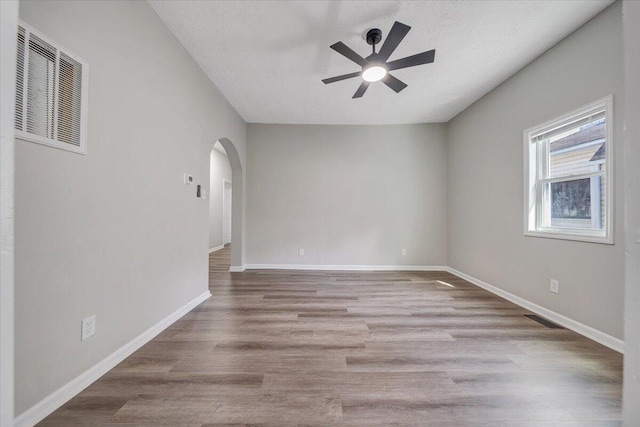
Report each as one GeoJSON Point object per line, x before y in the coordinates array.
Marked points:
{"type": "Point", "coordinates": [188, 179]}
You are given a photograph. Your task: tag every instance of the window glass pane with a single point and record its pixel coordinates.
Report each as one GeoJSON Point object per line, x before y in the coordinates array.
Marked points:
{"type": "Point", "coordinates": [40, 92]}
{"type": "Point", "coordinates": [579, 150]}
{"type": "Point", "coordinates": [577, 204]}
{"type": "Point", "coordinates": [19, 79]}
{"type": "Point", "coordinates": [70, 97]}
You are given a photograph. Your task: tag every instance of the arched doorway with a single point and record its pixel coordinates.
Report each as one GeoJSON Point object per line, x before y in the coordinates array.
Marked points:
{"type": "Point", "coordinates": [220, 185]}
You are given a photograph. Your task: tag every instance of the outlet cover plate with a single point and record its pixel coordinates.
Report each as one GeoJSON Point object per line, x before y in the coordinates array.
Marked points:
{"type": "Point", "coordinates": [554, 286]}
{"type": "Point", "coordinates": [88, 327]}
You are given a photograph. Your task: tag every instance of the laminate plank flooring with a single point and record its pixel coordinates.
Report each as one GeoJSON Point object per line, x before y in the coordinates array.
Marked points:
{"type": "Point", "coordinates": [293, 348]}
{"type": "Point", "coordinates": [220, 260]}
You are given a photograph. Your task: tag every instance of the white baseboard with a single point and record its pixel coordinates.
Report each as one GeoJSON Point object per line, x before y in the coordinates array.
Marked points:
{"type": "Point", "coordinates": [344, 267]}
{"type": "Point", "coordinates": [598, 336]}
{"type": "Point", "coordinates": [217, 248]}
{"type": "Point", "coordinates": [237, 268]}
{"type": "Point", "coordinates": [46, 406]}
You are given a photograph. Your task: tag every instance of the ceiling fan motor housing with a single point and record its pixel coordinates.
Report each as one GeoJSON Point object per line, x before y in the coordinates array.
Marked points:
{"type": "Point", "coordinates": [374, 36]}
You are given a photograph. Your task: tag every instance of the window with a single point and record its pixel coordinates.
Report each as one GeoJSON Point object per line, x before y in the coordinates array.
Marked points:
{"type": "Point", "coordinates": [51, 93]}
{"type": "Point", "coordinates": [569, 176]}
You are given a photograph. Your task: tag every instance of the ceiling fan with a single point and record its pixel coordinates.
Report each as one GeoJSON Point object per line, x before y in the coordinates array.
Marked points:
{"type": "Point", "coordinates": [375, 66]}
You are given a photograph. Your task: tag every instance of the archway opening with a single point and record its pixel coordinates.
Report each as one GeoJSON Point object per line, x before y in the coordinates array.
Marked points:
{"type": "Point", "coordinates": [225, 207]}
{"type": "Point", "coordinates": [220, 209]}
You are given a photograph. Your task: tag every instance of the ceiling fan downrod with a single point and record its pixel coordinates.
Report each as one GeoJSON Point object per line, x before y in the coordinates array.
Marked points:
{"type": "Point", "coordinates": [374, 36]}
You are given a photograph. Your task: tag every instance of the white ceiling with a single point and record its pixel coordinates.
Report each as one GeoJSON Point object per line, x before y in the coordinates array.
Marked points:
{"type": "Point", "coordinates": [268, 57]}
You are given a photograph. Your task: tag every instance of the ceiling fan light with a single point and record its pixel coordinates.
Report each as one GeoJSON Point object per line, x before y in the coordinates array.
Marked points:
{"type": "Point", "coordinates": [374, 73]}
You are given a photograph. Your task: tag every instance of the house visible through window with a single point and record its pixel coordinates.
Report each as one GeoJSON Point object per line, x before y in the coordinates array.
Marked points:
{"type": "Point", "coordinates": [568, 173]}
{"type": "Point", "coordinates": [51, 93]}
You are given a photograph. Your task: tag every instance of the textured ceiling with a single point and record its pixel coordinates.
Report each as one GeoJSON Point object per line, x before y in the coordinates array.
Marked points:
{"type": "Point", "coordinates": [268, 57]}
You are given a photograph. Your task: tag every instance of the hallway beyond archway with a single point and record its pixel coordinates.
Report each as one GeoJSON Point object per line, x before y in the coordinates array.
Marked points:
{"type": "Point", "coordinates": [219, 261]}
{"type": "Point", "coordinates": [237, 209]}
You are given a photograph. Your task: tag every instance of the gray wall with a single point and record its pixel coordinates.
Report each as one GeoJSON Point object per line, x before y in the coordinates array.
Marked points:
{"type": "Point", "coordinates": [114, 233]}
{"type": "Point", "coordinates": [220, 169]}
{"type": "Point", "coordinates": [485, 185]}
{"type": "Point", "coordinates": [8, 27]}
{"type": "Point", "coordinates": [346, 194]}
{"type": "Point", "coordinates": [631, 393]}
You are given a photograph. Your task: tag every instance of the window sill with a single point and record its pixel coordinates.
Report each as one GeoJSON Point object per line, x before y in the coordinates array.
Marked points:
{"type": "Point", "coordinates": [50, 142]}
{"type": "Point", "coordinates": [588, 238]}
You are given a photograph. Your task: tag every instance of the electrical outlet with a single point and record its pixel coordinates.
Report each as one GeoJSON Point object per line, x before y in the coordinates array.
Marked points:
{"type": "Point", "coordinates": [301, 252]}
{"type": "Point", "coordinates": [554, 286]}
{"type": "Point", "coordinates": [404, 252]}
{"type": "Point", "coordinates": [88, 327]}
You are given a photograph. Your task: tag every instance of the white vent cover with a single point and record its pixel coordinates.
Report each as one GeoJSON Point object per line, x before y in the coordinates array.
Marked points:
{"type": "Point", "coordinates": [51, 93]}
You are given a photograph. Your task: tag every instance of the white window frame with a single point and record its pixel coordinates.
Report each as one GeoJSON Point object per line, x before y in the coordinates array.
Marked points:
{"type": "Point", "coordinates": [51, 142]}
{"type": "Point", "coordinates": [532, 169]}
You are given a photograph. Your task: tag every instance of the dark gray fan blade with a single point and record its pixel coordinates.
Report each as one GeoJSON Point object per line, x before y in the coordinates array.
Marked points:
{"type": "Point", "coordinates": [395, 36]}
{"type": "Point", "coordinates": [393, 83]}
{"type": "Point", "coordinates": [413, 60]}
{"type": "Point", "coordinates": [342, 77]}
{"type": "Point", "coordinates": [361, 90]}
{"type": "Point", "coordinates": [346, 51]}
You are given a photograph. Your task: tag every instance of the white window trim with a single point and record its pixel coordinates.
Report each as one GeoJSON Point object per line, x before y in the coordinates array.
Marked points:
{"type": "Point", "coordinates": [26, 136]}
{"type": "Point", "coordinates": [529, 194]}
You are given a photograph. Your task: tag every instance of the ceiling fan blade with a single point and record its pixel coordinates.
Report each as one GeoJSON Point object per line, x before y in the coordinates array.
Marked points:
{"type": "Point", "coordinates": [413, 60]}
{"type": "Point", "coordinates": [361, 90]}
{"type": "Point", "coordinates": [342, 77]}
{"type": "Point", "coordinates": [395, 36]}
{"type": "Point", "coordinates": [393, 83]}
{"type": "Point", "coordinates": [346, 51]}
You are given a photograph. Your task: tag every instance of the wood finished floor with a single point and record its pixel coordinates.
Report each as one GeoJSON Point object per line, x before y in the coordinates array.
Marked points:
{"type": "Point", "coordinates": [291, 348]}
